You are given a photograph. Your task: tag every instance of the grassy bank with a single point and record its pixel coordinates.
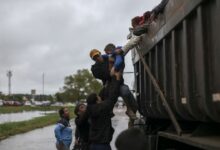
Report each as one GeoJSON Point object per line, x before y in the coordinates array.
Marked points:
{"type": "Point", "coordinates": [13, 128]}
{"type": "Point", "coordinates": [15, 109]}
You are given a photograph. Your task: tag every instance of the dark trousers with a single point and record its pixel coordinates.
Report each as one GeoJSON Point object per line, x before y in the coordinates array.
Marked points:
{"type": "Point", "coordinates": [100, 147]}
{"type": "Point", "coordinates": [81, 146]}
{"type": "Point", "coordinates": [128, 97]}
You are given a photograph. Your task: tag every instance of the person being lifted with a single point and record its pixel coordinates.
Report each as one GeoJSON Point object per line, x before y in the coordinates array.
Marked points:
{"type": "Point", "coordinates": [108, 64]}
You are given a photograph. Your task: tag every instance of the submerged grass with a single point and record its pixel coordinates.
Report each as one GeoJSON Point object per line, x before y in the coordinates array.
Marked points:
{"type": "Point", "coordinates": [15, 109]}
{"type": "Point", "coordinates": [13, 128]}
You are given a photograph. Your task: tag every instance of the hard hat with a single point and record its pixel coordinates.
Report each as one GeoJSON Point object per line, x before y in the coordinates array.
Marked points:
{"type": "Point", "coordinates": [94, 52]}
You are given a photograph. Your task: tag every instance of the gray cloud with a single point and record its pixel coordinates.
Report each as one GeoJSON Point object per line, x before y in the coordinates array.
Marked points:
{"type": "Point", "coordinates": [55, 36]}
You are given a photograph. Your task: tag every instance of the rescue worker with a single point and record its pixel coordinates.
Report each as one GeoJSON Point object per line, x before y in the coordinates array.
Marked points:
{"type": "Point", "coordinates": [63, 130]}
{"type": "Point", "coordinates": [82, 127]}
{"type": "Point", "coordinates": [107, 65]}
{"type": "Point", "coordinates": [101, 130]}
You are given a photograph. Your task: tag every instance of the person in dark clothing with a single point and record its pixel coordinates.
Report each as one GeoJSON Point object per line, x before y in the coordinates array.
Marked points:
{"type": "Point", "coordinates": [82, 127]}
{"type": "Point", "coordinates": [77, 144]}
{"type": "Point", "coordinates": [101, 68]}
{"type": "Point", "coordinates": [131, 139]}
{"type": "Point", "coordinates": [101, 130]}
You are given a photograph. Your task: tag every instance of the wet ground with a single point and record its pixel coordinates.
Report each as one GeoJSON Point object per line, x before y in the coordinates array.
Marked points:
{"type": "Point", "coordinates": [22, 116]}
{"type": "Point", "coordinates": [43, 139]}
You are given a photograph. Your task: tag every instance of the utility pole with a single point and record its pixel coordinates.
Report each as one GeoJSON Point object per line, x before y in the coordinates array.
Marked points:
{"type": "Point", "coordinates": [9, 75]}
{"type": "Point", "coordinates": [43, 86]}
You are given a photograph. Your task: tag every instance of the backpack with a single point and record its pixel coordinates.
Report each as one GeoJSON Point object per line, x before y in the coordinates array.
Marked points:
{"type": "Point", "coordinates": [100, 70]}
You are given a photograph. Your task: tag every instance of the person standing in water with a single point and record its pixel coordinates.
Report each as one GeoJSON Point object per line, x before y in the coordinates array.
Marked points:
{"type": "Point", "coordinates": [63, 130]}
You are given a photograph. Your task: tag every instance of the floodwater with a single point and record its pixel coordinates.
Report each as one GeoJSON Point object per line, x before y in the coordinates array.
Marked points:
{"type": "Point", "coordinates": [22, 116]}
{"type": "Point", "coordinates": [44, 139]}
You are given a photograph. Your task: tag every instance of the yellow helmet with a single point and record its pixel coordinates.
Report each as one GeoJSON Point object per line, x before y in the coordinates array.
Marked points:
{"type": "Point", "coordinates": [94, 52]}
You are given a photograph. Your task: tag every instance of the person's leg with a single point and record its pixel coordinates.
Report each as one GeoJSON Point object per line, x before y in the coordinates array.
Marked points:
{"type": "Point", "coordinates": [85, 146]}
{"type": "Point", "coordinates": [100, 147]}
{"type": "Point", "coordinates": [66, 148]}
{"type": "Point", "coordinates": [62, 147]}
{"type": "Point", "coordinates": [129, 100]}
{"type": "Point", "coordinates": [58, 147]}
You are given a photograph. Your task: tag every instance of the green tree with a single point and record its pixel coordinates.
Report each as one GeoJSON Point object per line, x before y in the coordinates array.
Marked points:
{"type": "Point", "coordinates": [2, 96]}
{"type": "Point", "coordinates": [78, 86]}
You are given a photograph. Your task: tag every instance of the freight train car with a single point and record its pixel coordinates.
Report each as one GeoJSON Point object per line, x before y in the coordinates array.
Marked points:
{"type": "Point", "coordinates": [179, 96]}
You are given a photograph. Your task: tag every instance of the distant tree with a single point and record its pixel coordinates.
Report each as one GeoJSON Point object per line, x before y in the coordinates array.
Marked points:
{"type": "Point", "coordinates": [78, 86]}
{"type": "Point", "coordinates": [20, 97]}
{"type": "Point", "coordinates": [43, 97]}
{"type": "Point", "coordinates": [2, 96]}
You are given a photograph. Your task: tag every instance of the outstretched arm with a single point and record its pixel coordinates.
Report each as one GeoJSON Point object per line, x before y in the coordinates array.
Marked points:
{"type": "Point", "coordinates": [107, 105]}
{"type": "Point", "coordinates": [131, 44]}
{"type": "Point", "coordinates": [159, 8]}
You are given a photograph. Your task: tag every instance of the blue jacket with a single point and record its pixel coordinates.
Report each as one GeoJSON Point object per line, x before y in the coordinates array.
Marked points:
{"type": "Point", "coordinates": [63, 134]}
{"type": "Point", "coordinates": [119, 60]}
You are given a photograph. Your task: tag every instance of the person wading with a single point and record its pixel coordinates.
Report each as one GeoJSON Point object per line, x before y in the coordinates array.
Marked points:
{"type": "Point", "coordinates": [63, 130]}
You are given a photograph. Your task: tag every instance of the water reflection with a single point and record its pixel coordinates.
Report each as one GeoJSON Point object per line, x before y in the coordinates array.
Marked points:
{"type": "Point", "coordinates": [22, 116]}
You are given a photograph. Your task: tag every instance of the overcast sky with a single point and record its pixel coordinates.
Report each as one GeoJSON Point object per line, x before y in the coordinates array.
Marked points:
{"type": "Point", "coordinates": [55, 36]}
